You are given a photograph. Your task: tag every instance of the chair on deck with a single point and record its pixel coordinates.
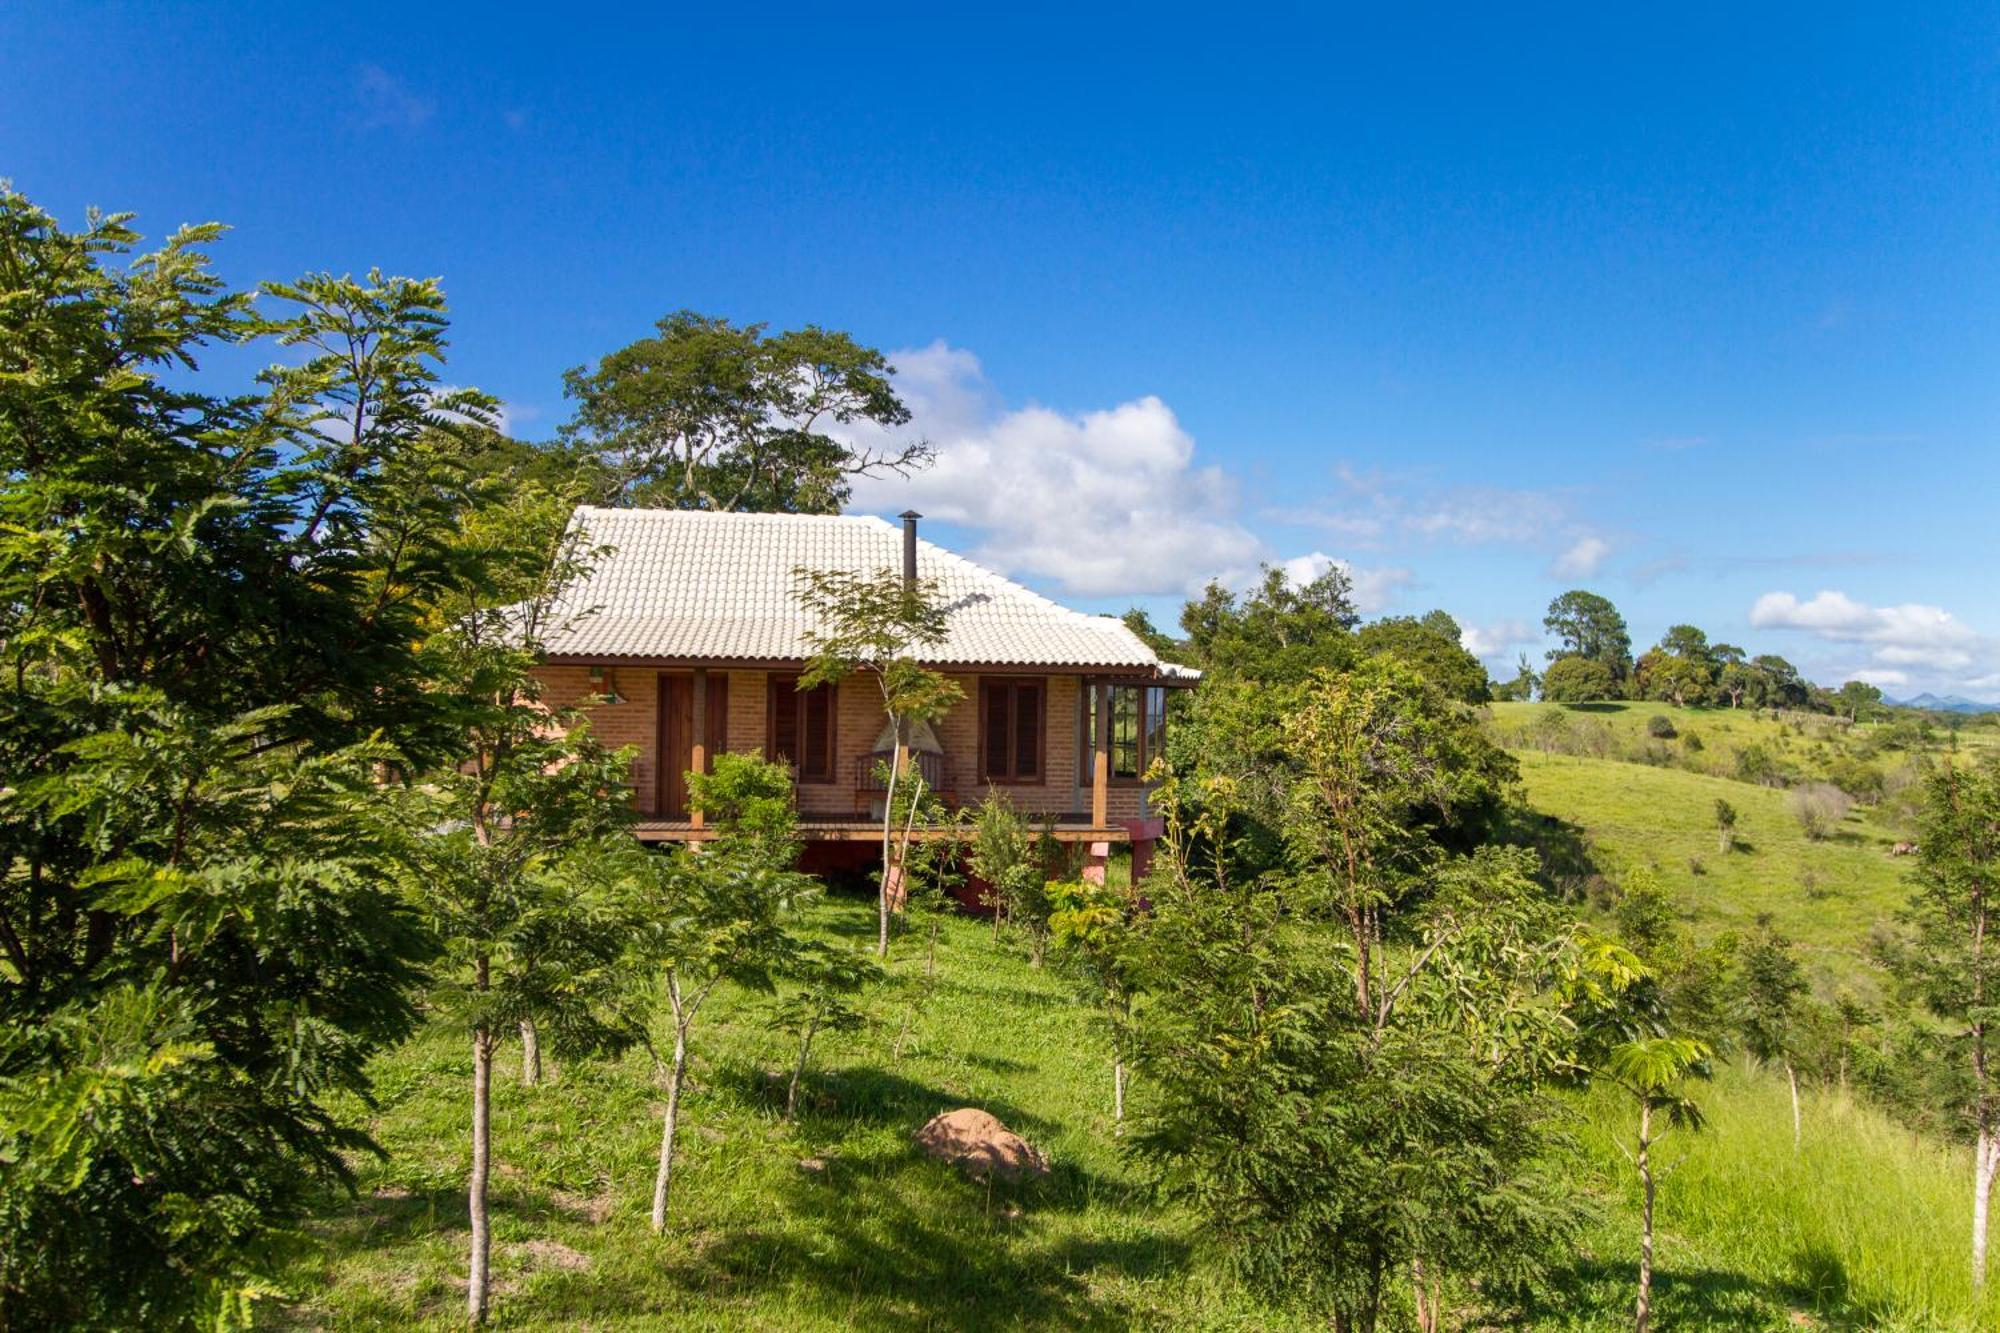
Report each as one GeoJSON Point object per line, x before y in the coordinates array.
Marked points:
{"type": "Point", "coordinates": [869, 770]}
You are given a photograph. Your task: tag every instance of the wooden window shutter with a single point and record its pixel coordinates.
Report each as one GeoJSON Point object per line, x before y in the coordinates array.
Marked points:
{"type": "Point", "coordinates": [994, 710]}
{"type": "Point", "coordinates": [1028, 730]}
{"type": "Point", "coordinates": [782, 743]}
{"type": "Point", "coordinates": [816, 734]}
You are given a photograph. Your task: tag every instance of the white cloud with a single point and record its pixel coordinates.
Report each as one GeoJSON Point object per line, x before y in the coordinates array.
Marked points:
{"type": "Point", "coordinates": [1582, 560]}
{"type": "Point", "coordinates": [1104, 502]}
{"type": "Point", "coordinates": [1909, 626]}
{"type": "Point", "coordinates": [1889, 645]}
{"type": "Point", "coordinates": [1374, 590]}
{"type": "Point", "coordinates": [386, 102]}
{"type": "Point", "coordinates": [1499, 640]}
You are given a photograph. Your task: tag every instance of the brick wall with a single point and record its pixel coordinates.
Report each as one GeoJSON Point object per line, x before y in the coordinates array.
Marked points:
{"type": "Point", "coordinates": [858, 723]}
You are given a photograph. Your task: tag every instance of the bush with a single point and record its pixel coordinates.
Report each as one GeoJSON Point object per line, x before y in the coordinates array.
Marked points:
{"type": "Point", "coordinates": [1660, 727]}
{"type": "Point", "coordinates": [1756, 764]}
{"type": "Point", "coordinates": [1860, 780]}
{"type": "Point", "coordinates": [1819, 807]}
{"type": "Point", "coordinates": [1690, 741]}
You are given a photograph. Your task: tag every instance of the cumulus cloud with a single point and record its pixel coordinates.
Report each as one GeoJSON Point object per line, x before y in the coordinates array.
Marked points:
{"type": "Point", "coordinates": [1889, 645]}
{"type": "Point", "coordinates": [1582, 560]}
{"type": "Point", "coordinates": [1102, 502]}
{"type": "Point", "coordinates": [1498, 641]}
{"type": "Point", "coordinates": [1374, 590]}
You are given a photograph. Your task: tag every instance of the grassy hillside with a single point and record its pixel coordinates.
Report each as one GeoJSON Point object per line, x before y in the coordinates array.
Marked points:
{"type": "Point", "coordinates": [837, 1222]}
{"type": "Point", "coordinates": [1827, 894]}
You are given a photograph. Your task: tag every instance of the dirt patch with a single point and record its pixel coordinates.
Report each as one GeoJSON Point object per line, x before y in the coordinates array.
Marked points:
{"type": "Point", "coordinates": [591, 1208]}
{"type": "Point", "coordinates": [541, 1254]}
{"type": "Point", "coordinates": [981, 1146]}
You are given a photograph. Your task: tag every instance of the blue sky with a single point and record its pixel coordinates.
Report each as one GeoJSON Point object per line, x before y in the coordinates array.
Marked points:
{"type": "Point", "coordinates": [1695, 307]}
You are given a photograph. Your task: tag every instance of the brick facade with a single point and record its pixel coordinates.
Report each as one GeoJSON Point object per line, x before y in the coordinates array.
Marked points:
{"type": "Point", "coordinates": [859, 721]}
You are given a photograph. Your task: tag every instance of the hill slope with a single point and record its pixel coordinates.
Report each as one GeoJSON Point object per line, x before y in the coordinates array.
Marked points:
{"type": "Point", "coordinates": [836, 1222]}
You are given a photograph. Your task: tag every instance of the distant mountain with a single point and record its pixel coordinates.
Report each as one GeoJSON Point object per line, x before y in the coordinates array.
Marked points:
{"type": "Point", "coordinates": [1949, 703]}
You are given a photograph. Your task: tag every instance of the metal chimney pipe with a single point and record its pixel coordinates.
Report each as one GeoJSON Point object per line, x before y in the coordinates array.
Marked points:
{"type": "Point", "coordinates": [910, 517]}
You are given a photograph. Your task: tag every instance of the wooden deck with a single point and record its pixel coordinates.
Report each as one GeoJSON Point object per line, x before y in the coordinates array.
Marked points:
{"type": "Point", "coordinates": [1066, 829]}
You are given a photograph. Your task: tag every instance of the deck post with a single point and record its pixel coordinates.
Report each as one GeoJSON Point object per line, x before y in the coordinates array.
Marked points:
{"type": "Point", "coordinates": [1100, 757]}
{"type": "Point", "coordinates": [698, 749]}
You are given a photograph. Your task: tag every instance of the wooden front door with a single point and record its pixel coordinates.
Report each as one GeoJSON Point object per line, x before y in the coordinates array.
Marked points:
{"type": "Point", "coordinates": [677, 737]}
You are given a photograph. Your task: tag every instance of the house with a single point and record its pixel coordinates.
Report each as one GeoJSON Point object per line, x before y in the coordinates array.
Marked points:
{"type": "Point", "coordinates": [692, 631]}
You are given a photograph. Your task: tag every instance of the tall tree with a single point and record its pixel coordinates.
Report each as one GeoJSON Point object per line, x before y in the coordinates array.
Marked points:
{"type": "Point", "coordinates": [707, 414]}
{"type": "Point", "coordinates": [1346, 1082]}
{"type": "Point", "coordinates": [210, 601]}
{"type": "Point", "coordinates": [1589, 626]}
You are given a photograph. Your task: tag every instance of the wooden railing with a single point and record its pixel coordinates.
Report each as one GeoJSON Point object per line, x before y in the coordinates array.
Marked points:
{"type": "Point", "coordinates": [869, 769]}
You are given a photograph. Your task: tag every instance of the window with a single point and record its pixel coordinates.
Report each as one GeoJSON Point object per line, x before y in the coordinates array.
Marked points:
{"type": "Point", "coordinates": [799, 728]}
{"type": "Point", "coordinates": [1138, 732]}
{"type": "Point", "coordinates": [1010, 730]}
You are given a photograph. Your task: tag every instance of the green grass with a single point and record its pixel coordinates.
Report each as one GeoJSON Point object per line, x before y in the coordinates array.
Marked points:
{"type": "Point", "coordinates": [837, 1222]}
{"type": "Point", "coordinates": [1864, 1227]}
{"type": "Point", "coordinates": [1827, 895]}
{"type": "Point", "coordinates": [870, 1234]}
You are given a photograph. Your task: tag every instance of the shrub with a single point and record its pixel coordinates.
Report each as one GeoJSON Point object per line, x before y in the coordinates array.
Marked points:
{"type": "Point", "coordinates": [1660, 727]}
{"type": "Point", "coordinates": [1646, 913]}
{"type": "Point", "coordinates": [1860, 780]}
{"type": "Point", "coordinates": [1756, 764]}
{"type": "Point", "coordinates": [1690, 741]}
{"type": "Point", "coordinates": [1819, 807]}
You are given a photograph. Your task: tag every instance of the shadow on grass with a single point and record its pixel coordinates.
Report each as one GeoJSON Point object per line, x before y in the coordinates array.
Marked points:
{"type": "Point", "coordinates": [833, 1099]}
{"type": "Point", "coordinates": [896, 1241]}
{"type": "Point", "coordinates": [1584, 1293]}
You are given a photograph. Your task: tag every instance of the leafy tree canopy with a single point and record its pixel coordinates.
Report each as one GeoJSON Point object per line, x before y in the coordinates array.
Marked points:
{"type": "Point", "coordinates": [707, 414]}
{"type": "Point", "coordinates": [1279, 631]}
{"type": "Point", "coordinates": [1431, 645]}
{"type": "Point", "coordinates": [1575, 679]}
{"type": "Point", "coordinates": [1589, 626]}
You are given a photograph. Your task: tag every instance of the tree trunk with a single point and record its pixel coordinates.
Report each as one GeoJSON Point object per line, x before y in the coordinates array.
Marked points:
{"type": "Point", "coordinates": [1118, 1090]}
{"type": "Point", "coordinates": [799, 1070]}
{"type": "Point", "coordinates": [1427, 1298]}
{"type": "Point", "coordinates": [1792, 1077]}
{"type": "Point", "coordinates": [531, 1054]}
{"type": "Point", "coordinates": [669, 1121]}
{"type": "Point", "coordinates": [1986, 1156]}
{"type": "Point", "coordinates": [888, 835]}
{"type": "Point", "coordinates": [1645, 1217]}
{"type": "Point", "coordinates": [482, 1141]}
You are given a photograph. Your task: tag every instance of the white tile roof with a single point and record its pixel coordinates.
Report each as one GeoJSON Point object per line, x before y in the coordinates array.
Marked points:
{"type": "Point", "coordinates": [685, 584]}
